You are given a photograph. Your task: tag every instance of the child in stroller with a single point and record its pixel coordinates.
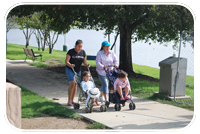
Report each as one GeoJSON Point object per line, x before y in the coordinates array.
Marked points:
{"type": "Point", "coordinates": [119, 81]}
{"type": "Point", "coordinates": [89, 94]}
{"type": "Point", "coordinates": [122, 85]}
{"type": "Point", "coordinates": [89, 88]}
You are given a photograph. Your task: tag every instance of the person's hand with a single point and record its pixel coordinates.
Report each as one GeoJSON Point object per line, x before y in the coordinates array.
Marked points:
{"type": "Point", "coordinates": [88, 65]}
{"type": "Point", "coordinates": [105, 67]}
{"type": "Point", "coordinates": [116, 66]}
{"type": "Point", "coordinates": [72, 65]}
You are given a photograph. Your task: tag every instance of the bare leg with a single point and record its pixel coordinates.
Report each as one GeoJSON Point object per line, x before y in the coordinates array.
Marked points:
{"type": "Point", "coordinates": [70, 91]}
{"type": "Point", "coordinates": [97, 102]}
{"type": "Point", "coordinates": [106, 96]}
{"type": "Point", "coordinates": [126, 90]}
{"type": "Point", "coordinates": [119, 89]}
{"type": "Point", "coordinates": [74, 91]}
{"type": "Point", "coordinates": [92, 100]}
{"type": "Point", "coordinates": [101, 94]}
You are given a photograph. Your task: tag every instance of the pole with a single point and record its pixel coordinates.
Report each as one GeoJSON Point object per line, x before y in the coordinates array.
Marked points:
{"type": "Point", "coordinates": [108, 37]}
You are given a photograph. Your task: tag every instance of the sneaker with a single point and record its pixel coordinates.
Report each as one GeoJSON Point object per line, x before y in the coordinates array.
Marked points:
{"type": "Point", "coordinates": [127, 98]}
{"type": "Point", "coordinates": [107, 103]}
{"type": "Point", "coordinates": [102, 99]}
{"type": "Point", "coordinates": [122, 98]}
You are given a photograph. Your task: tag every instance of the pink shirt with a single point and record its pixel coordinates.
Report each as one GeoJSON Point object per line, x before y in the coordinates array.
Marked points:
{"type": "Point", "coordinates": [102, 59]}
{"type": "Point", "coordinates": [119, 82]}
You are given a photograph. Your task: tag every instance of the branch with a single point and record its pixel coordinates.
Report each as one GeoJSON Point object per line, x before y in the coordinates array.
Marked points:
{"type": "Point", "coordinates": [139, 21]}
{"type": "Point", "coordinates": [115, 40]}
{"type": "Point", "coordinates": [31, 32]}
{"type": "Point", "coordinates": [55, 40]}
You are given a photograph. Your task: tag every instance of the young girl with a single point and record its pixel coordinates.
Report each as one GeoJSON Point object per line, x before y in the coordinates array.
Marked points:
{"type": "Point", "coordinates": [122, 85]}
{"type": "Point", "coordinates": [87, 85]}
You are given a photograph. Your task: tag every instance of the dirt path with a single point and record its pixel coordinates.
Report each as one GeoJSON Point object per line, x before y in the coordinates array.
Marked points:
{"type": "Point", "coordinates": [53, 123]}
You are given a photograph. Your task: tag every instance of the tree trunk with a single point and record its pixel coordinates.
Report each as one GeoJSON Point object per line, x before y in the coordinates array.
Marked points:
{"type": "Point", "coordinates": [27, 43]}
{"type": "Point", "coordinates": [125, 49]}
{"type": "Point", "coordinates": [50, 49]}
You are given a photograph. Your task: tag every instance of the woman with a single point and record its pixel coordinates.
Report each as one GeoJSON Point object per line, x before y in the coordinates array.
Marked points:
{"type": "Point", "coordinates": [104, 58]}
{"type": "Point", "coordinates": [75, 57]}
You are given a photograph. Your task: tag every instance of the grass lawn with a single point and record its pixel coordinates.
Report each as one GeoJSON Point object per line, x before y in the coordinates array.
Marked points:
{"type": "Point", "coordinates": [141, 88]}
{"type": "Point", "coordinates": [34, 105]}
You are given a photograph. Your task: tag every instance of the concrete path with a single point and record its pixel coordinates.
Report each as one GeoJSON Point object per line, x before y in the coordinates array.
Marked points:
{"type": "Point", "coordinates": [147, 115]}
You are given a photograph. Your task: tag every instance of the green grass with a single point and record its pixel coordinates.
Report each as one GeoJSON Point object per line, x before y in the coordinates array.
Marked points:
{"type": "Point", "coordinates": [146, 89]}
{"type": "Point", "coordinates": [97, 125]}
{"type": "Point", "coordinates": [16, 52]}
{"type": "Point", "coordinates": [35, 105]}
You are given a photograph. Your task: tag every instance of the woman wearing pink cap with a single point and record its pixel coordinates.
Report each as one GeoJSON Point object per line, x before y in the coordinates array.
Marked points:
{"type": "Point", "coordinates": [105, 57]}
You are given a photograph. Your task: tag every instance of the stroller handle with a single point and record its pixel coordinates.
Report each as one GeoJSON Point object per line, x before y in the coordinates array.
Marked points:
{"type": "Point", "coordinates": [75, 72]}
{"type": "Point", "coordinates": [111, 66]}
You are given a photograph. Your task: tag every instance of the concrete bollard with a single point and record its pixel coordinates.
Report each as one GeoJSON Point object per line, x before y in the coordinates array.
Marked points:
{"type": "Point", "coordinates": [13, 104]}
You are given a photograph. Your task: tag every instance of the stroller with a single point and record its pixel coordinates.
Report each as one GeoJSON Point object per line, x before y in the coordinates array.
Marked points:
{"type": "Point", "coordinates": [83, 96]}
{"type": "Point", "coordinates": [115, 97]}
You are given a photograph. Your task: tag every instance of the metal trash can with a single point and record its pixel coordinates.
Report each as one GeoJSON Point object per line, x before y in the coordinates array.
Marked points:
{"type": "Point", "coordinates": [168, 70]}
{"type": "Point", "coordinates": [64, 47]}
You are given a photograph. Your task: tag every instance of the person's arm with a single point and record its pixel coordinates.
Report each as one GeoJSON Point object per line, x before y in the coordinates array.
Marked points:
{"type": "Point", "coordinates": [99, 62]}
{"type": "Point", "coordinates": [67, 61]}
{"type": "Point", "coordinates": [84, 86]}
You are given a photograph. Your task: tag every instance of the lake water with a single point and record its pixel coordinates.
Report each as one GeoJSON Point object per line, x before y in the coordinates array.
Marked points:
{"type": "Point", "coordinates": [142, 53]}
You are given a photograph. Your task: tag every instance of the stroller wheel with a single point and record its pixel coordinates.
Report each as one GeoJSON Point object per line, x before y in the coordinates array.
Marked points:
{"type": "Point", "coordinates": [103, 108]}
{"type": "Point", "coordinates": [117, 107]}
{"type": "Point", "coordinates": [76, 106]}
{"type": "Point", "coordinates": [132, 106]}
{"type": "Point", "coordinates": [88, 109]}
{"type": "Point", "coordinates": [91, 108]}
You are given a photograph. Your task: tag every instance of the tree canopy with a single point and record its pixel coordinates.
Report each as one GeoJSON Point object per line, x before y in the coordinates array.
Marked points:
{"type": "Point", "coordinates": [160, 23]}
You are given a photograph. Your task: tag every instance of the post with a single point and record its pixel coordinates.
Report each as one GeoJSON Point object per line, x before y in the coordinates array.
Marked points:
{"type": "Point", "coordinates": [13, 104]}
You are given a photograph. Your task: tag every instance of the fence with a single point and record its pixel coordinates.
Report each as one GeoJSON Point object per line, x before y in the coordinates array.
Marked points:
{"type": "Point", "coordinates": [186, 40]}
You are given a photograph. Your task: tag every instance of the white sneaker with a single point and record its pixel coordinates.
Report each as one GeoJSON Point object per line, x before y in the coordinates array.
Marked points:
{"type": "Point", "coordinates": [102, 99]}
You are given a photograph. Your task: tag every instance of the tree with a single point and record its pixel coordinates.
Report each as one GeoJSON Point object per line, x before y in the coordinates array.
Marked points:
{"type": "Point", "coordinates": [44, 23]}
{"type": "Point", "coordinates": [10, 22]}
{"type": "Point", "coordinates": [138, 22]}
{"type": "Point", "coordinates": [25, 24]}
{"type": "Point", "coordinates": [160, 23]}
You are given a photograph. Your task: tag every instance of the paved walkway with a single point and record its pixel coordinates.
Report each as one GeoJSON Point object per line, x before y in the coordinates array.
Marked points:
{"type": "Point", "coordinates": [147, 115]}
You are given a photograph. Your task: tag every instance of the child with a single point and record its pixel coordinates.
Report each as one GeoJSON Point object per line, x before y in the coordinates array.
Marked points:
{"type": "Point", "coordinates": [122, 85]}
{"type": "Point", "coordinates": [87, 85]}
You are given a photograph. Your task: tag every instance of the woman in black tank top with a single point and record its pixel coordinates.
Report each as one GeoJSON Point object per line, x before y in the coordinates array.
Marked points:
{"type": "Point", "coordinates": [75, 57]}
